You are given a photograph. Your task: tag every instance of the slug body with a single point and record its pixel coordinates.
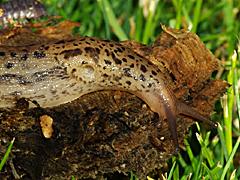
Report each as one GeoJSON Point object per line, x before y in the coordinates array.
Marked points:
{"type": "Point", "coordinates": [60, 72]}
{"type": "Point", "coordinates": [20, 9]}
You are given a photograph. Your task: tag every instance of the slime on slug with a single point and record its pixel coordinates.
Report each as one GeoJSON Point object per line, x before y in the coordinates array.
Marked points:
{"type": "Point", "coordinates": [62, 71]}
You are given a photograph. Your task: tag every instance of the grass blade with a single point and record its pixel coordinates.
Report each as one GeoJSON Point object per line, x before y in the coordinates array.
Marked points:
{"type": "Point", "coordinates": [172, 170]}
{"type": "Point", "coordinates": [5, 157]}
{"type": "Point", "coordinates": [113, 20]}
{"type": "Point", "coordinates": [229, 162]}
{"type": "Point", "coordinates": [197, 11]}
{"type": "Point", "coordinates": [222, 140]}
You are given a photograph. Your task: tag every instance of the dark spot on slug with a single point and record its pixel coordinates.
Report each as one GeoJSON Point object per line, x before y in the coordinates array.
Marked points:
{"type": "Point", "coordinates": [93, 53]}
{"type": "Point", "coordinates": [56, 58]}
{"type": "Point", "coordinates": [124, 60]}
{"type": "Point", "coordinates": [88, 43]}
{"type": "Point", "coordinates": [172, 76]}
{"type": "Point", "coordinates": [116, 60]}
{"type": "Point", "coordinates": [75, 44]}
{"type": "Point", "coordinates": [140, 56]}
{"type": "Point", "coordinates": [105, 75]}
{"type": "Point", "coordinates": [97, 50]}
{"type": "Point", "coordinates": [123, 48]}
{"type": "Point", "coordinates": [127, 72]}
{"type": "Point", "coordinates": [39, 54]}
{"type": "Point", "coordinates": [131, 57]}
{"type": "Point", "coordinates": [18, 78]}
{"type": "Point", "coordinates": [128, 82]}
{"type": "Point", "coordinates": [154, 73]}
{"type": "Point", "coordinates": [71, 53]}
{"type": "Point", "coordinates": [13, 54]}
{"type": "Point", "coordinates": [108, 62]}
{"type": "Point", "coordinates": [132, 65]}
{"type": "Point", "coordinates": [149, 85]}
{"type": "Point", "coordinates": [119, 49]}
{"type": "Point", "coordinates": [52, 73]}
{"type": "Point", "coordinates": [111, 45]}
{"type": "Point", "coordinates": [24, 57]}
{"type": "Point", "coordinates": [2, 53]}
{"type": "Point", "coordinates": [106, 40]}
{"type": "Point", "coordinates": [46, 47]}
{"type": "Point", "coordinates": [142, 77]}
{"type": "Point", "coordinates": [70, 40]}
{"type": "Point", "coordinates": [107, 52]}
{"type": "Point", "coordinates": [73, 70]}
{"type": "Point", "coordinates": [64, 92]}
{"type": "Point", "coordinates": [150, 63]}
{"type": "Point", "coordinates": [143, 68]}
{"type": "Point", "coordinates": [117, 78]}
{"type": "Point", "coordinates": [156, 80]}
{"type": "Point", "coordinates": [9, 65]}
{"type": "Point", "coordinates": [60, 42]}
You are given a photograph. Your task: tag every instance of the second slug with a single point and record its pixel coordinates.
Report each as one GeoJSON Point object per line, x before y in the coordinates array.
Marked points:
{"type": "Point", "coordinates": [60, 72]}
{"type": "Point", "coordinates": [16, 10]}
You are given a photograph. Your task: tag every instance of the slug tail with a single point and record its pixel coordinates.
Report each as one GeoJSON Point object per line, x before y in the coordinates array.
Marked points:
{"type": "Point", "coordinates": [186, 110]}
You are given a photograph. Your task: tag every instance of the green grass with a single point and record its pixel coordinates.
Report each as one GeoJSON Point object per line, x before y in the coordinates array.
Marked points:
{"type": "Point", "coordinates": [217, 23]}
{"type": "Point", "coordinates": [5, 157]}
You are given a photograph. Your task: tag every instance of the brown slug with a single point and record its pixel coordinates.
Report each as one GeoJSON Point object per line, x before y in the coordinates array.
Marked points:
{"type": "Point", "coordinates": [16, 10]}
{"type": "Point", "coordinates": [62, 71]}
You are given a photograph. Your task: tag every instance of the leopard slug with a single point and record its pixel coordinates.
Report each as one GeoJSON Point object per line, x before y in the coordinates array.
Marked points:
{"type": "Point", "coordinates": [15, 10]}
{"type": "Point", "coordinates": [60, 72]}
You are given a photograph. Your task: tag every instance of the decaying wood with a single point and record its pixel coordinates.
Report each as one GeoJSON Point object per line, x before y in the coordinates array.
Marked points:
{"type": "Point", "coordinates": [108, 131]}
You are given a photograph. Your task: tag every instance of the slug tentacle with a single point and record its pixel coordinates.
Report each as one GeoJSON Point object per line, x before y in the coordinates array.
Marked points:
{"type": "Point", "coordinates": [186, 110]}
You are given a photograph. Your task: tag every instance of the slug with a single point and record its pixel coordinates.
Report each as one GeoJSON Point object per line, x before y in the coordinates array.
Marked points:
{"type": "Point", "coordinates": [60, 72]}
{"type": "Point", "coordinates": [16, 10]}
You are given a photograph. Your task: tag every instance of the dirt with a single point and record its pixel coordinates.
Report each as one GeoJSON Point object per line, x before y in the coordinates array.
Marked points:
{"type": "Point", "coordinates": [107, 132]}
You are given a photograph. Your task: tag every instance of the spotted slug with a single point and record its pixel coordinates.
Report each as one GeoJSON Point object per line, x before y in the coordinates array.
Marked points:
{"type": "Point", "coordinates": [15, 10]}
{"type": "Point", "coordinates": [60, 72]}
